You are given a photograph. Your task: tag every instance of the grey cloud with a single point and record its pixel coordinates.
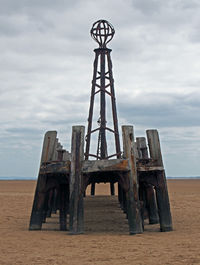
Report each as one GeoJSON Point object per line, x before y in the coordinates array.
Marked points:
{"type": "Point", "coordinates": [24, 131]}
{"type": "Point", "coordinates": [162, 110]}
{"type": "Point", "coordinates": [10, 6]}
{"type": "Point", "coordinates": [46, 71]}
{"type": "Point", "coordinates": [147, 7]}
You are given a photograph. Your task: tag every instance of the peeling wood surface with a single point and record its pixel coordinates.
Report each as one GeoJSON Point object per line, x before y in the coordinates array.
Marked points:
{"type": "Point", "coordinates": [132, 196]}
{"type": "Point", "coordinates": [76, 225]}
{"type": "Point", "coordinates": [90, 166]}
{"type": "Point", "coordinates": [149, 168]}
{"type": "Point", "coordinates": [48, 146]}
{"type": "Point", "coordinates": [56, 167]}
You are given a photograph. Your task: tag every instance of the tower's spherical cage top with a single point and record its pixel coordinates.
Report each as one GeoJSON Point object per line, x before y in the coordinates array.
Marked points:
{"type": "Point", "coordinates": [102, 32]}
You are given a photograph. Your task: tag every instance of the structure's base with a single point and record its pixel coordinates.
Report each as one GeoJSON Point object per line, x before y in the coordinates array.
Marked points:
{"type": "Point", "coordinates": [34, 227]}
{"type": "Point", "coordinates": [134, 233]}
{"type": "Point", "coordinates": [153, 222]}
{"type": "Point", "coordinates": [75, 233]}
{"type": "Point", "coordinates": [61, 184]}
{"type": "Point", "coordinates": [166, 229]}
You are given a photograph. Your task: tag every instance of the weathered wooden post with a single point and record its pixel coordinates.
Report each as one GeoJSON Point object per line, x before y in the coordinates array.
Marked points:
{"type": "Point", "coordinates": [63, 207]}
{"type": "Point", "coordinates": [149, 194]}
{"type": "Point", "coordinates": [120, 194]}
{"type": "Point", "coordinates": [112, 189]}
{"type": "Point", "coordinates": [40, 193]}
{"type": "Point", "coordinates": [93, 189]}
{"type": "Point", "coordinates": [133, 204]}
{"type": "Point", "coordinates": [45, 208]}
{"type": "Point", "coordinates": [49, 203]}
{"type": "Point", "coordinates": [142, 148]}
{"type": "Point", "coordinates": [76, 181]}
{"type": "Point", "coordinates": [124, 202]}
{"type": "Point", "coordinates": [161, 187]}
{"type": "Point", "coordinates": [55, 201]}
{"type": "Point", "coordinates": [151, 204]}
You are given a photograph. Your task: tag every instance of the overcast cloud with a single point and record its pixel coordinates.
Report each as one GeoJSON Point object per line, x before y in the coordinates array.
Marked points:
{"type": "Point", "coordinates": [46, 71]}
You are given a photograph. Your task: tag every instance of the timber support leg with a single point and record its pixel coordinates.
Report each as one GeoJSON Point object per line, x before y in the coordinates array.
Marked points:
{"type": "Point", "coordinates": [76, 181]}
{"type": "Point", "coordinates": [151, 205]}
{"type": "Point", "coordinates": [124, 202]}
{"type": "Point", "coordinates": [63, 208]}
{"type": "Point", "coordinates": [93, 188]}
{"type": "Point", "coordinates": [133, 204]}
{"type": "Point", "coordinates": [163, 203]}
{"type": "Point", "coordinates": [39, 198]}
{"type": "Point", "coordinates": [119, 194]}
{"type": "Point", "coordinates": [161, 187]}
{"type": "Point", "coordinates": [67, 199]}
{"type": "Point", "coordinates": [45, 208]}
{"type": "Point", "coordinates": [38, 205]}
{"type": "Point", "coordinates": [50, 203]}
{"type": "Point", "coordinates": [112, 189]}
{"type": "Point", "coordinates": [54, 202]}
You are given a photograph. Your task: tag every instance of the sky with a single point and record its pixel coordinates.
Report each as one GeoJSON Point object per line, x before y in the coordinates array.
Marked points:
{"type": "Point", "coordinates": [46, 66]}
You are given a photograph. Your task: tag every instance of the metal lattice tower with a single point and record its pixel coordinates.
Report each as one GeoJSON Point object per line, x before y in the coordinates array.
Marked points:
{"type": "Point", "coordinates": [102, 32]}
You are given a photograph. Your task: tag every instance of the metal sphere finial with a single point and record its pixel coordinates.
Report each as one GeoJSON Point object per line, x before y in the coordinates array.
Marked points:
{"type": "Point", "coordinates": [102, 32]}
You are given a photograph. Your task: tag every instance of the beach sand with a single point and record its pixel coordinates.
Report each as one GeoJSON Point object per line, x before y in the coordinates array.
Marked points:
{"type": "Point", "coordinates": [106, 239]}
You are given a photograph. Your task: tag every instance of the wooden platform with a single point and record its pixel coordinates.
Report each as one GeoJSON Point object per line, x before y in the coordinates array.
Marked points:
{"type": "Point", "coordinates": [139, 173]}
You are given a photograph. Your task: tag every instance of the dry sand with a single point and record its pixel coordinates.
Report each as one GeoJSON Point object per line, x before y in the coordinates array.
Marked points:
{"type": "Point", "coordinates": [106, 239]}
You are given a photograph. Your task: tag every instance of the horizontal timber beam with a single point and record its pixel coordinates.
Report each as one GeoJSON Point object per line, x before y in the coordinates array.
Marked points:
{"type": "Point", "coordinates": [149, 168]}
{"type": "Point", "coordinates": [56, 167]}
{"type": "Point", "coordinates": [91, 166]}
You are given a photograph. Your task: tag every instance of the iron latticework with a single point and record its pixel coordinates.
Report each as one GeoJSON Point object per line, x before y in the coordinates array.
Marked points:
{"type": "Point", "coordinates": [103, 83]}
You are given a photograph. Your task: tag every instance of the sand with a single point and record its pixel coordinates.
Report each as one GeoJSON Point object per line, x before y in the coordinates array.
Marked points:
{"type": "Point", "coordinates": [106, 239]}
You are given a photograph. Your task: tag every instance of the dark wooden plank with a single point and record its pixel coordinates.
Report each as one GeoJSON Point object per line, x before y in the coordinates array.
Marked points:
{"type": "Point", "coordinates": [92, 166]}
{"type": "Point", "coordinates": [163, 203]}
{"type": "Point", "coordinates": [151, 204]}
{"type": "Point", "coordinates": [76, 189]}
{"type": "Point", "coordinates": [112, 189]}
{"type": "Point", "coordinates": [161, 187]}
{"type": "Point", "coordinates": [49, 146]}
{"type": "Point", "coordinates": [142, 147]}
{"type": "Point", "coordinates": [154, 147]}
{"type": "Point", "coordinates": [39, 198]}
{"type": "Point", "coordinates": [63, 207]}
{"type": "Point", "coordinates": [147, 165]}
{"type": "Point", "coordinates": [120, 194]}
{"type": "Point", "coordinates": [147, 168]}
{"type": "Point", "coordinates": [92, 188]}
{"type": "Point", "coordinates": [55, 153]}
{"type": "Point", "coordinates": [132, 196]}
{"type": "Point", "coordinates": [66, 156]}
{"type": "Point", "coordinates": [56, 168]}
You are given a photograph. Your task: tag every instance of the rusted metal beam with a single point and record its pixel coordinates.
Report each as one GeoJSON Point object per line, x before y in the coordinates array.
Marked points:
{"type": "Point", "coordinates": [101, 83]}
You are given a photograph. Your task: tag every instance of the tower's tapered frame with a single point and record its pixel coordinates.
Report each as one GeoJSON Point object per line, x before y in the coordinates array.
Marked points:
{"type": "Point", "coordinates": [102, 83]}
